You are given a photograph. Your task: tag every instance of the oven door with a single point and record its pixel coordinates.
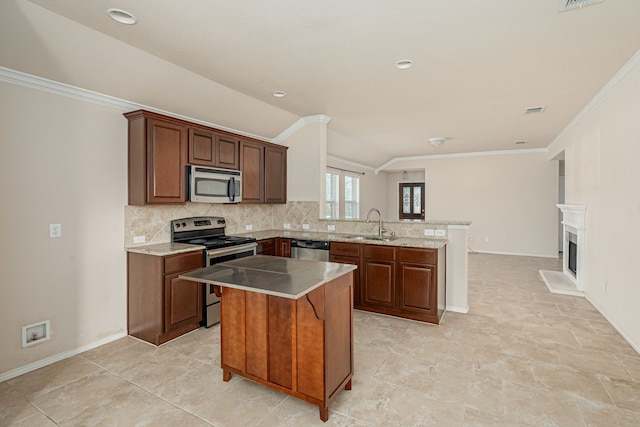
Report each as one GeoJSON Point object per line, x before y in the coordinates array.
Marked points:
{"type": "Point", "coordinates": [215, 256]}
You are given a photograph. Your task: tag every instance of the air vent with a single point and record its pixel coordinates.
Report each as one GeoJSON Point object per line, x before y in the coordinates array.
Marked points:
{"type": "Point", "coordinates": [535, 110]}
{"type": "Point", "coordinates": [576, 4]}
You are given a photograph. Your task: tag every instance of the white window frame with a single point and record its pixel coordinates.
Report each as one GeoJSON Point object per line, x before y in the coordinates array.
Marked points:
{"type": "Point", "coordinates": [341, 196]}
{"type": "Point", "coordinates": [334, 203]}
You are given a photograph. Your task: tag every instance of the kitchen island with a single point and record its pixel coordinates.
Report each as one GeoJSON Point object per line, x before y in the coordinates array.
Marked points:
{"type": "Point", "coordinates": [286, 324]}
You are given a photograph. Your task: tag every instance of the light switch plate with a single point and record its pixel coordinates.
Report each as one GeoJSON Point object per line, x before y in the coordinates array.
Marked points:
{"type": "Point", "coordinates": [139, 239]}
{"type": "Point", "coordinates": [429, 232]}
{"type": "Point", "coordinates": [55, 230]}
{"type": "Point", "coordinates": [440, 233]}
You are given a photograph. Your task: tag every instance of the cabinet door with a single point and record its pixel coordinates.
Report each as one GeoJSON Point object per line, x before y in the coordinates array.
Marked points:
{"type": "Point", "coordinates": [378, 283]}
{"type": "Point", "coordinates": [183, 302]}
{"type": "Point", "coordinates": [417, 289]}
{"type": "Point", "coordinates": [356, 274]}
{"type": "Point", "coordinates": [166, 161]}
{"type": "Point", "coordinates": [275, 175]}
{"type": "Point", "coordinates": [283, 247]}
{"type": "Point", "coordinates": [227, 154]}
{"type": "Point", "coordinates": [266, 247]}
{"type": "Point", "coordinates": [201, 147]}
{"type": "Point", "coordinates": [252, 167]}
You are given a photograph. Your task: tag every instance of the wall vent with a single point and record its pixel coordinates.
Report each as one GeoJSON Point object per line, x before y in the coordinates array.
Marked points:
{"type": "Point", "coordinates": [576, 4]}
{"type": "Point", "coordinates": [535, 110]}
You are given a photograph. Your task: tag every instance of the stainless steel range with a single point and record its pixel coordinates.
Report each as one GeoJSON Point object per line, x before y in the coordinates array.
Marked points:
{"type": "Point", "coordinates": [208, 231]}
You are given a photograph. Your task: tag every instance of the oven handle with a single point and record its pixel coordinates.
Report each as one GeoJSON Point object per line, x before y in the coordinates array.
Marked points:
{"type": "Point", "coordinates": [232, 250]}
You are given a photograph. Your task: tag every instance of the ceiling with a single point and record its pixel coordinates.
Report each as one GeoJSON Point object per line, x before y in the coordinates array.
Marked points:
{"type": "Point", "coordinates": [478, 65]}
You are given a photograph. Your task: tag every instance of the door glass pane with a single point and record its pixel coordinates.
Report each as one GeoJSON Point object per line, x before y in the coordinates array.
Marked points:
{"type": "Point", "coordinates": [417, 199]}
{"type": "Point", "coordinates": [406, 200]}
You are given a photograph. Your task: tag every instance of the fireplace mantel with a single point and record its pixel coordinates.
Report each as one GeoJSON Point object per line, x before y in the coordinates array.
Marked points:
{"type": "Point", "coordinates": [574, 216]}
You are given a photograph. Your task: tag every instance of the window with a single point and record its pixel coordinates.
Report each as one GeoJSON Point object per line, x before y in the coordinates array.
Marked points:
{"type": "Point", "coordinates": [351, 197]}
{"type": "Point", "coordinates": [411, 198]}
{"type": "Point", "coordinates": [333, 180]}
{"type": "Point", "coordinates": [342, 195]}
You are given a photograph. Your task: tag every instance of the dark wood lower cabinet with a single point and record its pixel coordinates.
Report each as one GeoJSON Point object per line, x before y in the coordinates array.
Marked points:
{"type": "Point", "coordinates": [398, 281]}
{"type": "Point", "coordinates": [160, 306]}
{"type": "Point", "coordinates": [276, 246]}
{"type": "Point", "coordinates": [300, 347]}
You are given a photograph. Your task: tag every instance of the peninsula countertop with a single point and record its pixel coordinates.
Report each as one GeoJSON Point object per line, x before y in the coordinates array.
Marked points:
{"type": "Point", "coordinates": [283, 277]}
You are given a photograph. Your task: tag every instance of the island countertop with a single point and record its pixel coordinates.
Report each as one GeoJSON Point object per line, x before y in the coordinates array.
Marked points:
{"type": "Point", "coordinates": [283, 277]}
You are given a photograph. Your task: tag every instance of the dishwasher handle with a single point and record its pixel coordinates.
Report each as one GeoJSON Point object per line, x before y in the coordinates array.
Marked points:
{"type": "Point", "coordinates": [310, 244]}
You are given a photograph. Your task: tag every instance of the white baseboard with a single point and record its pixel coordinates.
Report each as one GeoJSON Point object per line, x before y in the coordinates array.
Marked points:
{"type": "Point", "coordinates": [512, 253]}
{"type": "Point", "coordinates": [635, 346]}
{"type": "Point", "coordinates": [455, 309]}
{"type": "Point", "coordinates": [57, 357]}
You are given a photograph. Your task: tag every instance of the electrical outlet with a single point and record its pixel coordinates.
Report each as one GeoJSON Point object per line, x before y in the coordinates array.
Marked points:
{"type": "Point", "coordinates": [55, 230]}
{"type": "Point", "coordinates": [139, 239]}
{"type": "Point", "coordinates": [440, 233]}
{"type": "Point", "coordinates": [287, 226]}
{"type": "Point", "coordinates": [248, 227]}
{"type": "Point", "coordinates": [331, 228]}
{"type": "Point", "coordinates": [429, 232]}
{"type": "Point", "coordinates": [305, 226]}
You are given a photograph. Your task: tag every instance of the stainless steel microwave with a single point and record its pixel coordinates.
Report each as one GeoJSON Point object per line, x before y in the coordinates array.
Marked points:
{"type": "Point", "coordinates": [210, 185]}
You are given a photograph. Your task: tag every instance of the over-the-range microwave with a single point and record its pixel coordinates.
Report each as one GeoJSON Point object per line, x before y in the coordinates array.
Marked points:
{"type": "Point", "coordinates": [211, 185]}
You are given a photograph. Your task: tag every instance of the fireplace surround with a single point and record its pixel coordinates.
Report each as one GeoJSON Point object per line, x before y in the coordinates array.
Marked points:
{"type": "Point", "coordinates": [573, 229]}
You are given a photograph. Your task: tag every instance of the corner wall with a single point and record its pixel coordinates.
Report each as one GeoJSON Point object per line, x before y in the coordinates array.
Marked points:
{"type": "Point", "coordinates": [601, 152]}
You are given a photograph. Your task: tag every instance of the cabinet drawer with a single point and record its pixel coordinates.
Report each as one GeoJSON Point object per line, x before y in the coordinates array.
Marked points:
{"type": "Point", "coordinates": [346, 249]}
{"type": "Point", "coordinates": [422, 256]}
{"type": "Point", "coordinates": [379, 252]}
{"type": "Point", "coordinates": [182, 262]}
{"type": "Point", "coordinates": [266, 247]}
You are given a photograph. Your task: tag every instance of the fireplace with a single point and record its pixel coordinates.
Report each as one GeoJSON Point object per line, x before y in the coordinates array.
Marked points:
{"type": "Point", "coordinates": [573, 257]}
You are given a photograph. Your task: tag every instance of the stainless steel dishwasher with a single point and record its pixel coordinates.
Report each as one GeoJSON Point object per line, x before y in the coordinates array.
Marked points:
{"type": "Point", "coordinates": [317, 250]}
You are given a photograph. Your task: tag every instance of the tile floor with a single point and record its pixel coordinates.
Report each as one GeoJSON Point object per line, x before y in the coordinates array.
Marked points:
{"type": "Point", "coordinates": [521, 357]}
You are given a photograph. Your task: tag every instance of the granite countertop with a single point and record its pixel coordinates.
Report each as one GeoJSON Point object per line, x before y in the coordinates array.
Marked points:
{"type": "Point", "coordinates": [414, 242]}
{"type": "Point", "coordinates": [164, 249]}
{"type": "Point", "coordinates": [283, 277]}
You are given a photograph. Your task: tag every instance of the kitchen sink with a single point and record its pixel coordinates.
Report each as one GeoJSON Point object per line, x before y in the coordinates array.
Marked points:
{"type": "Point", "coordinates": [378, 238]}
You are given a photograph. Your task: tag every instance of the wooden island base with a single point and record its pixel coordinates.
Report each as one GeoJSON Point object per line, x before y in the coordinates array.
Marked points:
{"type": "Point", "coordinates": [302, 347]}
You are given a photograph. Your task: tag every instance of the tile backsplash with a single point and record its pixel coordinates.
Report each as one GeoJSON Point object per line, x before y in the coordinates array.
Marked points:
{"type": "Point", "coordinates": [152, 222]}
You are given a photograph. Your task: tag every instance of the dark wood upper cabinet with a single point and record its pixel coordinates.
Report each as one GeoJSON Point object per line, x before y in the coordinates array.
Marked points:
{"type": "Point", "coordinates": [157, 159]}
{"type": "Point", "coordinates": [207, 148]}
{"type": "Point", "coordinates": [160, 148]}
{"type": "Point", "coordinates": [275, 178]}
{"type": "Point", "coordinates": [252, 167]}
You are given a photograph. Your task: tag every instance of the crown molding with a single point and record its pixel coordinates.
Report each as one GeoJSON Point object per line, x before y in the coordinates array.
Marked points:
{"type": "Point", "coordinates": [301, 122]}
{"type": "Point", "coordinates": [40, 83]}
{"type": "Point", "coordinates": [603, 94]}
{"type": "Point", "coordinates": [349, 162]}
{"type": "Point", "coordinates": [455, 155]}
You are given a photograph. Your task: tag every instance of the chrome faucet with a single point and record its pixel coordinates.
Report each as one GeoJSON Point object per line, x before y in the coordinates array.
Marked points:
{"type": "Point", "coordinates": [381, 230]}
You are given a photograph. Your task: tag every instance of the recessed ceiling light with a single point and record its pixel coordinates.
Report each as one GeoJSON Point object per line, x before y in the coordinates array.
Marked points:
{"type": "Point", "coordinates": [122, 16]}
{"type": "Point", "coordinates": [279, 94]}
{"type": "Point", "coordinates": [403, 64]}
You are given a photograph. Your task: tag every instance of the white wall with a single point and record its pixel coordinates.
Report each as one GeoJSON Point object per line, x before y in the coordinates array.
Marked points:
{"type": "Point", "coordinates": [62, 161]}
{"type": "Point", "coordinates": [601, 152]}
{"type": "Point", "coordinates": [510, 198]}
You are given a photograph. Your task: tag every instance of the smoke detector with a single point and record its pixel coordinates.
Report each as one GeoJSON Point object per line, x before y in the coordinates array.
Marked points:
{"type": "Point", "coordinates": [437, 141]}
{"type": "Point", "coordinates": [576, 4]}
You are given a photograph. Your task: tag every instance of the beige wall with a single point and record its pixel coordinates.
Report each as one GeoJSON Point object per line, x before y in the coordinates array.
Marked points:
{"type": "Point", "coordinates": [511, 199]}
{"type": "Point", "coordinates": [62, 161]}
{"type": "Point", "coordinates": [601, 152]}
